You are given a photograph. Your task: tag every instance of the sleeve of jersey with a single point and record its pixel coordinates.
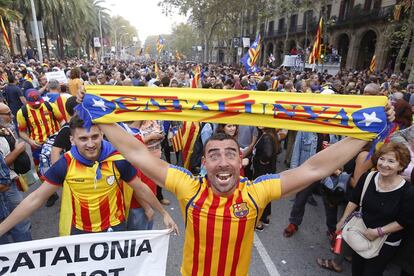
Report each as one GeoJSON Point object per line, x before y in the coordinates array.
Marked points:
{"type": "Point", "coordinates": [21, 121]}
{"type": "Point", "coordinates": [56, 112]}
{"type": "Point", "coordinates": [181, 182]}
{"type": "Point", "coordinates": [127, 171]}
{"type": "Point", "coordinates": [266, 188]}
{"type": "Point", "coordinates": [55, 175]}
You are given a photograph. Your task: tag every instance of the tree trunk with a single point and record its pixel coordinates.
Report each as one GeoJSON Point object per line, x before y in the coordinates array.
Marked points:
{"type": "Point", "coordinates": [286, 48]}
{"type": "Point", "coordinates": [87, 47]}
{"type": "Point", "coordinates": [410, 57]}
{"type": "Point", "coordinates": [403, 48]}
{"type": "Point", "coordinates": [9, 32]}
{"type": "Point", "coordinates": [411, 77]}
{"type": "Point", "coordinates": [205, 53]}
{"type": "Point", "coordinates": [26, 32]}
{"type": "Point", "coordinates": [47, 45]}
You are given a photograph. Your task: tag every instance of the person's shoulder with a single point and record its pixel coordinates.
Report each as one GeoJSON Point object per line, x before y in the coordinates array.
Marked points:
{"type": "Point", "coordinates": [264, 178]}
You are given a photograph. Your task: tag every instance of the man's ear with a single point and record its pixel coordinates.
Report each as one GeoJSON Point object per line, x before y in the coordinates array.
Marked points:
{"type": "Point", "coordinates": [71, 139]}
{"type": "Point", "coordinates": [203, 160]}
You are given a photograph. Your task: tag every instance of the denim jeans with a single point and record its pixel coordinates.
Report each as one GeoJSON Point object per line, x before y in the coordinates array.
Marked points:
{"type": "Point", "coordinates": [138, 221]}
{"type": "Point", "coordinates": [21, 232]}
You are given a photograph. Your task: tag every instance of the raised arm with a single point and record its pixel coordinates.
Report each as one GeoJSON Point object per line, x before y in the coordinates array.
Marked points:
{"type": "Point", "coordinates": [27, 207]}
{"type": "Point", "coordinates": [136, 153]}
{"type": "Point", "coordinates": [320, 165]}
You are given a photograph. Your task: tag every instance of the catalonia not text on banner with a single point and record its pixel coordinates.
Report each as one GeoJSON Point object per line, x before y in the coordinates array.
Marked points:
{"type": "Point", "coordinates": [116, 253]}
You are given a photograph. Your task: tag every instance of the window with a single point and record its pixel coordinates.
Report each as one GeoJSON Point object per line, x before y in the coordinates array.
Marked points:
{"type": "Point", "coordinates": [281, 24]}
{"type": "Point", "coordinates": [293, 22]}
{"type": "Point", "coordinates": [271, 27]}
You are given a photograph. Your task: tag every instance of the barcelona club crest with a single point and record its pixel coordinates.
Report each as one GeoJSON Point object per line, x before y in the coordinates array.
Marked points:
{"type": "Point", "coordinates": [240, 209]}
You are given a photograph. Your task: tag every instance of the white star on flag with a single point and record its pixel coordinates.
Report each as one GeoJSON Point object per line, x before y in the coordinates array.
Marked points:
{"type": "Point", "coordinates": [100, 103]}
{"type": "Point", "coordinates": [46, 98]}
{"type": "Point", "coordinates": [254, 44]}
{"type": "Point", "coordinates": [370, 118]}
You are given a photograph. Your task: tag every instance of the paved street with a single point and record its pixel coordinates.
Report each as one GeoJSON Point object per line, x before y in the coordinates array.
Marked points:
{"type": "Point", "coordinates": [272, 254]}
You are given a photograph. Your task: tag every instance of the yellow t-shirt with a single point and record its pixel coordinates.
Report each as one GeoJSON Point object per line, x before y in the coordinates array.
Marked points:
{"type": "Point", "coordinates": [219, 230]}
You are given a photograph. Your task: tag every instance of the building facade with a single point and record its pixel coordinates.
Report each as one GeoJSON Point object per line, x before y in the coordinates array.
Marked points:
{"type": "Point", "coordinates": [358, 29]}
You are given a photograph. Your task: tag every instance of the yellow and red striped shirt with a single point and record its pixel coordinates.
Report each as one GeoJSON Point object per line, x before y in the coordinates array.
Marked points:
{"type": "Point", "coordinates": [97, 204]}
{"type": "Point", "coordinates": [219, 230]}
{"type": "Point", "coordinates": [40, 122]}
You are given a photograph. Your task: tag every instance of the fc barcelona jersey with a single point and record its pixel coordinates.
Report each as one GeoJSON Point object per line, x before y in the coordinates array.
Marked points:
{"type": "Point", "coordinates": [219, 230]}
{"type": "Point", "coordinates": [97, 204]}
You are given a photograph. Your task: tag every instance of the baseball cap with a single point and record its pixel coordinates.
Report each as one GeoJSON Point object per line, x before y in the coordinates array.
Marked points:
{"type": "Point", "coordinates": [33, 97]}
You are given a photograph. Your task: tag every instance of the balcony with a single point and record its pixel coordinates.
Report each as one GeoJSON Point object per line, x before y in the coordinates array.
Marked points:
{"type": "Point", "coordinates": [296, 29]}
{"type": "Point", "coordinates": [358, 16]}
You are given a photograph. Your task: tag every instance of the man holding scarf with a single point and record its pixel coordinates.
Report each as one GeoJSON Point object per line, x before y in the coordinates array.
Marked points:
{"type": "Point", "coordinates": [92, 175]}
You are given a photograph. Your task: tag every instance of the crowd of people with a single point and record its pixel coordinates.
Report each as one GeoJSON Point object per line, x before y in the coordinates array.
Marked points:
{"type": "Point", "coordinates": [38, 113]}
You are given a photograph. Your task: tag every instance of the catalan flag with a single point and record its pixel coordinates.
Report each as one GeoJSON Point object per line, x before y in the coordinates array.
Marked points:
{"type": "Point", "coordinates": [275, 85]}
{"type": "Point", "coordinates": [197, 76]}
{"type": "Point", "coordinates": [397, 12]}
{"type": "Point", "coordinates": [5, 34]}
{"type": "Point", "coordinates": [250, 58]}
{"type": "Point", "coordinates": [157, 70]}
{"type": "Point", "coordinates": [190, 132]}
{"type": "Point", "coordinates": [177, 139]}
{"type": "Point", "coordinates": [373, 64]}
{"type": "Point", "coordinates": [160, 44]}
{"type": "Point", "coordinates": [317, 45]}
{"type": "Point", "coordinates": [178, 56]}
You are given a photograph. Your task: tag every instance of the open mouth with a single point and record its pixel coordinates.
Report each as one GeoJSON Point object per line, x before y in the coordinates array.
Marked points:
{"type": "Point", "coordinates": [224, 177]}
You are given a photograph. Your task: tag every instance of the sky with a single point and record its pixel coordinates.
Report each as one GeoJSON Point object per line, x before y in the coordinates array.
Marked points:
{"type": "Point", "coordinates": [145, 15]}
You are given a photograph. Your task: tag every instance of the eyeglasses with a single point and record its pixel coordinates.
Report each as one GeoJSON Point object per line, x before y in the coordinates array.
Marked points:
{"type": "Point", "coordinates": [6, 113]}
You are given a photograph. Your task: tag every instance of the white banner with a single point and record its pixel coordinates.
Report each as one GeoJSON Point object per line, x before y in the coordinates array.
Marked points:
{"type": "Point", "coordinates": [57, 75]}
{"type": "Point", "coordinates": [96, 42]}
{"type": "Point", "coordinates": [246, 42]}
{"type": "Point", "coordinates": [102, 254]}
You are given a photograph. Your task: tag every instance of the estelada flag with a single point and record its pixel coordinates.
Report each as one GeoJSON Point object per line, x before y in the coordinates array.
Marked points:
{"type": "Point", "coordinates": [5, 34]}
{"type": "Point", "coordinates": [177, 139]}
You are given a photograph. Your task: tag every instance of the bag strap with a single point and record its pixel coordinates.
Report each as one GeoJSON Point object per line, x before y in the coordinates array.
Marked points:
{"type": "Point", "coordinates": [364, 189]}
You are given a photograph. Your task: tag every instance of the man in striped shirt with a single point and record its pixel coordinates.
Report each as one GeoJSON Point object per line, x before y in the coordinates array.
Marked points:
{"type": "Point", "coordinates": [94, 175]}
{"type": "Point", "coordinates": [37, 120]}
{"type": "Point", "coordinates": [220, 210]}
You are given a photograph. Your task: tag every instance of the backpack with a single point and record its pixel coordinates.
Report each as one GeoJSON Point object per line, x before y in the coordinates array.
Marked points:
{"type": "Point", "coordinates": [26, 115]}
{"type": "Point", "coordinates": [45, 153]}
{"type": "Point", "coordinates": [195, 159]}
{"type": "Point", "coordinates": [21, 164]}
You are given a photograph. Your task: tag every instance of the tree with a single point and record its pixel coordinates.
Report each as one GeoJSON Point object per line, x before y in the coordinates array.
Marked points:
{"type": "Point", "coordinates": [183, 38]}
{"type": "Point", "coordinates": [205, 15]}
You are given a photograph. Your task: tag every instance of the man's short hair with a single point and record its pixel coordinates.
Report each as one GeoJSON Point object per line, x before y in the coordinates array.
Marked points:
{"type": "Point", "coordinates": [262, 86]}
{"type": "Point", "coordinates": [74, 123]}
{"type": "Point", "coordinates": [70, 105]}
{"type": "Point", "coordinates": [54, 84]}
{"type": "Point", "coordinates": [220, 136]}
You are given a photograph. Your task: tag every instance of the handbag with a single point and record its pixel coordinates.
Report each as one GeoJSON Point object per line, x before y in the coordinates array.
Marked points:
{"type": "Point", "coordinates": [354, 229]}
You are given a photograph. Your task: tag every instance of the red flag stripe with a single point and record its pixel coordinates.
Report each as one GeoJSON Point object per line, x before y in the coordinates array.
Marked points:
{"type": "Point", "coordinates": [225, 236]}
{"type": "Point", "coordinates": [239, 240]}
{"type": "Point", "coordinates": [211, 221]}
{"type": "Point", "coordinates": [196, 230]}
